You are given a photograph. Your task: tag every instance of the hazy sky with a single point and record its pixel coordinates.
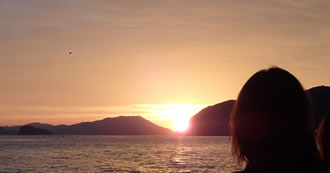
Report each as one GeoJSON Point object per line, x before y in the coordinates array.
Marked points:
{"type": "Point", "coordinates": [130, 57]}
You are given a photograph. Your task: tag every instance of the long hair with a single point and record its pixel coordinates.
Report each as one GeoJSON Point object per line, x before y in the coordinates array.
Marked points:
{"type": "Point", "coordinates": [323, 138]}
{"type": "Point", "coordinates": [272, 117]}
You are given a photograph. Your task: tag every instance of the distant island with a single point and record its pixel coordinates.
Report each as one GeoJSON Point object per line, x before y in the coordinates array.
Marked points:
{"type": "Point", "coordinates": [30, 130]}
{"type": "Point", "coordinates": [5, 131]}
{"type": "Point", "coordinates": [211, 121]}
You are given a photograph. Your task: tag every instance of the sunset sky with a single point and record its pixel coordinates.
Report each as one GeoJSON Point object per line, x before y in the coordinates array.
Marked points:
{"type": "Point", "coordinates": [160, 59]}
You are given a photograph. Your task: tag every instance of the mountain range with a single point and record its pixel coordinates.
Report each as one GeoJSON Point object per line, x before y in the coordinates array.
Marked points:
{"type": "Point", "coordinates": [122, 125]}
{"type": "Point", "coordinates": [210, 121]}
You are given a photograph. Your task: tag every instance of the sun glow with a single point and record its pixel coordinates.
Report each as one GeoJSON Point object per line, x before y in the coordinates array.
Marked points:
{"type": "Point", "coordinates": [181, 124]}
{"type": "Point", "coordinates": [180, 114]}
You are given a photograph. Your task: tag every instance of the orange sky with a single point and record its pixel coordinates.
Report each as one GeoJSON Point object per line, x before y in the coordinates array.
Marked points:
{"type": "Point", "coordinates": [131, 53]}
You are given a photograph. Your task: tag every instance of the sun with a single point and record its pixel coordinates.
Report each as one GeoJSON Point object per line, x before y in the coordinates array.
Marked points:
{"type": "Point", "coordinates": [181, 124]}
{"type": "Point", "coordinates": [179, 114]}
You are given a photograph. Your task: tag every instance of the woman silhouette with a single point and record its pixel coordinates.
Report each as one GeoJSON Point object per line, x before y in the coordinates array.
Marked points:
{"type": "Point", "coordinates": [272, 125]}
{"type": "Point", "coordinates": [323, 137]}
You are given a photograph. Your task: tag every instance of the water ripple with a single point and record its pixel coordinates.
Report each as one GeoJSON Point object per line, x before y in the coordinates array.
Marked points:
{"type": "Point", "coordinates": [129, 154]}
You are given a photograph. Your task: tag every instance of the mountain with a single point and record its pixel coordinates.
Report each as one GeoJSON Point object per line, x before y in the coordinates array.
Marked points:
{"type": "Point", "coordinates": [212, 120]}
{"type": "Point", "coordinates": [30, 130]}
{"type": "Point", "coordinates": [123, 125]}
{"type": "Point", "coordinates": [42, 125]}
{"type": "Point", "coordinates": [321, 102]}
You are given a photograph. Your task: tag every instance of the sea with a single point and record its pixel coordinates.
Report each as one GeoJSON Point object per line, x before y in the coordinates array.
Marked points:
{"type": "Point", "coordinates": [116, 154]}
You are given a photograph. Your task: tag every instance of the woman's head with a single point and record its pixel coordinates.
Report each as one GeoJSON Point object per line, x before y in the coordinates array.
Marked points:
{"type": "Point", "coordinates": [272, 115]}
{"type": "Point", "coordinates": [323, 137]}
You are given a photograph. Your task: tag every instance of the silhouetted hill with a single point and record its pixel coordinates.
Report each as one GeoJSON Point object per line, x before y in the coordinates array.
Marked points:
{"type": "Point", "coordinates": [30, 130]}
{"type": "Point", "coordinates": [212, 121]}
{"type": "Point", "coordinates": [321, 101]}
{"type": "Point", "coordinates": [42, 125]}
{"type": "Point", "coordinates": [123, 125]}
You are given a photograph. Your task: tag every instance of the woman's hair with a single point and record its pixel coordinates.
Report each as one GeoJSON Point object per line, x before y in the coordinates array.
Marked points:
{"type": "Point", "coordinates": [323, 138]}
{"type": "Point", "coordinates": [272, 117]}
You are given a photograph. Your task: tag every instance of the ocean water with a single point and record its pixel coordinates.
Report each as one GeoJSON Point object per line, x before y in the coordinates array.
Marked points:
{"type": "Point", "coordinates": [115, 154]}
